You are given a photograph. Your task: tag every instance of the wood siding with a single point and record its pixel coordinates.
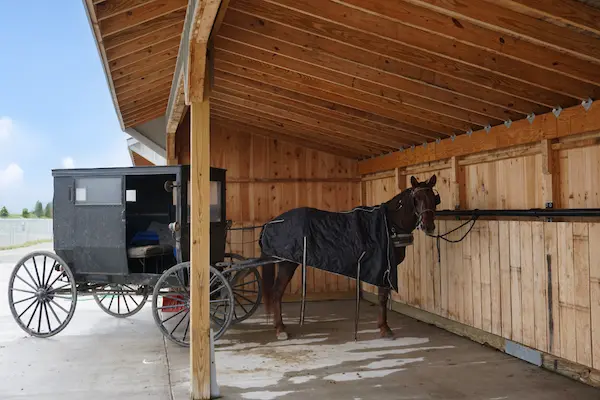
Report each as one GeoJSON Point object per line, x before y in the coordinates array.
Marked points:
{"type": "Point", "coordinates": [533, 282]}
{"type": "Point", "coordinates": [266, 177]}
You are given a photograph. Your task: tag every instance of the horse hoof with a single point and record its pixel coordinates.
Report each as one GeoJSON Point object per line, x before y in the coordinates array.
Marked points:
{"type": "Point", "coordinates": [387, 334]}
{"type": "Point", "coordinates": [282, 336]}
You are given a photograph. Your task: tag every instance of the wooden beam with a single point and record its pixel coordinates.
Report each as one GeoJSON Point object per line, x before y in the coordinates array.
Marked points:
{"type": "Point", "coordinates": [247, 68]}
{"type": "Point", "coordinates": [368, 31]}
{"type": "Point", "coordinates": [455, 184]}
{"type": "Point", "coordinates": [404, 76]}
{"type": "Point", "coordinates": [350, 87]}
{"type": "Point", "coordinates": [141, 76]}
{"type": "Point", "coordinates": [152, 38]}
{"type": "Point", "coordinates": [572, 121]}
{"type": "Point", "coordinates": [154, 97]}
{"type": "Point", "coordinates": [324, 115]}
{"type": "Point", "coordinates": [172, 158]}
{"type": "Point", "coordinates": [388, 85]}
{"type": "Point", "coordinates": [203, 20]}
{"type": "Point", "coordinates": [140, 15]}
{"type": "Point", "coordinates": [146, 91]}
{"type": "Point", "coordinates": [200, 250]}
{"type": "Point", "coordinates": [148, 108]}
{"type": "Point", "coordinates": [384, 126]}
{"type": "Point", "coordinates": [564, 13]}
{"type": "Point", "coordinates": [543, 33]}
{"type": "Point", "coordinates": [320, 124]}
{"type": "Point", "coordinates": [110, 8]}
{"type": "Point", "coordinates": [515, 57]}
{"type": "Point", "coordinates": [159, 76]}
{"type": "Point", "coordinates": [291, 130]}
{"type": "Point", "coordinates": [145, 59]}
{"type": "Point", "coordinates": [248, 128]}
{"type": "Point", "coordinates": [145, 117]}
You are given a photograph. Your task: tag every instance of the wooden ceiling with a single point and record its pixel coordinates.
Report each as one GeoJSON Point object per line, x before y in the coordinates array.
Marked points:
{"type": "Point", "coordinates": [362, 77]}
{"type": "Point", "coordinates": [367, 77]}
{"type": "Point", "coordinates": [139, 42]}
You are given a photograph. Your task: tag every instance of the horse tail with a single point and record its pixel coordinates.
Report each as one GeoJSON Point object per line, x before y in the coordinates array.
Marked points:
{"type": "Point", "coordinates": [268, 280]}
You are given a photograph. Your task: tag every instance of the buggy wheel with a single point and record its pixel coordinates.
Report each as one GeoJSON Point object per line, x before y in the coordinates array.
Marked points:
{"type": "Point", "coordinates": [171, 303]}
{"type": "Point", "coordinates": [121, 301]}
{"type": "Point", "coordinates": [42, 294]}
{"type": "Point", "coordinates": [247, 292]}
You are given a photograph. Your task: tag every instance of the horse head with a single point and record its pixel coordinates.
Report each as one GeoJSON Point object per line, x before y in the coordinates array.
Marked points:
{"type": "Point", "coordinates": [415, 207]}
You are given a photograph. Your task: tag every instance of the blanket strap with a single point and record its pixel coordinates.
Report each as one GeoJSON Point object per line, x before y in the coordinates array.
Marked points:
{"type": "Point", "coordinates": [356, 316]}
{"type": "Point", "coordinates": [303, 303]}
{"type": "Point", "coordinates": [402, 239]}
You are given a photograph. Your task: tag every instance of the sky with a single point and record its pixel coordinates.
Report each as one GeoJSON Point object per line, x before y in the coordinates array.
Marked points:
{"type": "Point", "coordinates": [55, 106]}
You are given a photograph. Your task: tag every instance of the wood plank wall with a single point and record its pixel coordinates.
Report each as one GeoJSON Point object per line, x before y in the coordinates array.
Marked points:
{"type": "Point", "coordinates": [534, 282]}
{"type": "Point", "coordinates": [266, 177]}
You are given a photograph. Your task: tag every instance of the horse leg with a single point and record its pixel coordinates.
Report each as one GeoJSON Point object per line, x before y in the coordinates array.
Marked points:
{"type": "Point", "coordinates": [384, 329]}
{"type": "Point", "coordinates": [285, 275]}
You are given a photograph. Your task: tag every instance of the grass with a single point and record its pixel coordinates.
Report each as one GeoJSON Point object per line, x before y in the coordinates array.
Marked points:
{"type": "Point", "coordinates": [26, 244]}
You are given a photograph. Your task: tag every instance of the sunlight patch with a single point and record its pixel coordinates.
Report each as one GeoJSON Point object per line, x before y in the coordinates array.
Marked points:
{"type": "Point", "coordinates": [265, 395]}
{"type": "Point", "coordinates": [358, 375]}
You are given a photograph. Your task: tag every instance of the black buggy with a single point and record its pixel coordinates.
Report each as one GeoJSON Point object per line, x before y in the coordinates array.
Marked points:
{"type": "Point", "coordinates": [121, 235]}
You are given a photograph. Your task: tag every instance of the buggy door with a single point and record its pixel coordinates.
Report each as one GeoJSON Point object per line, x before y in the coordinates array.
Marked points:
{"type": "Point", "coordinates": [100, 241]}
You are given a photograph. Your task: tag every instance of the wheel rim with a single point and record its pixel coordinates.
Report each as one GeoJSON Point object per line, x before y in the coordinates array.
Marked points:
{"type": "Point", "coordinates": [121, 300]}
{"type": "Point", "coordinates": [42, 294]}
{"type": "Point", "coordinates": [171, 303]}
{"type": "Point", "coordinates": [247, 293]}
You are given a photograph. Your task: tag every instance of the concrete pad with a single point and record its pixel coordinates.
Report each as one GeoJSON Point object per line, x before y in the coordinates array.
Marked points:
{"type": "Point", "coordinates": [321, 360]}
{"type": "Point", "coordinates": [101, 357]}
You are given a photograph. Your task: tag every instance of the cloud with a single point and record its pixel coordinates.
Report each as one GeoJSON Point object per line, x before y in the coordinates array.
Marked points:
{"type": "Point", "coordinates": [6, 127]}
{"type": "Point", "coordinates": [11, 175]}
{"type": "Point", "coordinates": [68, 162]}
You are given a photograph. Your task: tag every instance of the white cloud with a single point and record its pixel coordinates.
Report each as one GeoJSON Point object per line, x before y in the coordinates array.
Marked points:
{"type": "Point", "coordinates": [68, 162]}
{"type": "Point", "coordinates": [6, 127]}
{"type": "Point", "coordinates": [11, 175]}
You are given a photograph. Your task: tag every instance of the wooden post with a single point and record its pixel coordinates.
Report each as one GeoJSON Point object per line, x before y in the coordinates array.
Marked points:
{"type": "Point", "coordinates": [200, 225]}
{"type": "Point", "coordinates": [400, 180]}
{"type": "Point", "coordinates": [549, 175]}
{"type": "Point", "coordinates": [455, 193]}
{"type": "Point", "coordinates": [172, 158]}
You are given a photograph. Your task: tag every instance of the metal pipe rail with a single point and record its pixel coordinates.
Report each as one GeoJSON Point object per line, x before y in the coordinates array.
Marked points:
{"type": "Point", "coordinates": [533, 212]}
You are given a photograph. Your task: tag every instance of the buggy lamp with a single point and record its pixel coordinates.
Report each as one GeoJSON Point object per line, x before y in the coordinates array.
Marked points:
{"type": "Point", "coordinates": [174, 227]}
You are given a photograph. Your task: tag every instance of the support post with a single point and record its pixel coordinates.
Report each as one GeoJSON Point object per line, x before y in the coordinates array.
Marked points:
{"type": "Point", "coordinates": [200, 357]}
{"type": "Point", "coordinates": [400, 180]}
{"type": "Point", "coordinates": [455, 193]}
{"type": "Point", "coordinates": [172, 158]}
{"type": "Point", "coordinates": [549, 175]}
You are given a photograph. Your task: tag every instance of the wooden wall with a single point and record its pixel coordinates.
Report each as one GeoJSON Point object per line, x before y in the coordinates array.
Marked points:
{"type": "Point", "coordinates": [266, 177]}
{"type": "Point", "coordinates": [533, 282]}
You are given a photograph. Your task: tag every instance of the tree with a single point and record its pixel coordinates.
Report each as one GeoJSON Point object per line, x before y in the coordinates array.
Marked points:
{"type": "Point", "coordinates": [39, 209]}
{"type": "Point", "coordinates": [25, 213]}
{"type": "Point", "coordinates": [3, 212]}
{"type": "Point", "coordinates": [48, 211]}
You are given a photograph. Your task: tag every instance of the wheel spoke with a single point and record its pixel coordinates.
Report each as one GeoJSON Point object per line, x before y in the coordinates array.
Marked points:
{"type": "Point", "coordinates": [54, 290]}
{"type": "Point", "coordinates": [22, 300]}
{"type": "Point", "coordinates": [25, 282]}
{"type": "Point", "coordinates": [219, 288]}
{"type": "Point", "coordinates": [50, 274]}
{"type": "Point", "coordinates": [173, 316]}
{"type": "Point", "coordinates": [59, 306]}
{"type": "Point", "coordinates": [245, 283]}
{"type": "Point", "coordinates": [180, 321]}
{"type": "Point", "coordinates": [37, 274]}
{"type": "Point", "coordinates": [219, 301]}
{"type": "Point", "coordinates": [43, 273]}
{"type": "Point", "coordinates": [33, 314]}
{"type": "Point", "coordinates": [186, 330]}
{"type": "Point", "coordinates": [28, 273]}
{"type": "Point", "coordinates": [25, 310]}
{"type": "Point", "coordinates": [172, 306]}
{"type": "Point", "coordinates": [57, 278]}
{"type": "Point", "coordinates": [182, 285]}
{"type": "Point", "coordinates": [243, 297]}
{"type": "Point", "coordinates": [135, 302]}
{"type": "Point", "coordinates": [126, 304]}
{"type": "Point", "coordinates": [241, 305]}
{"type": "Point", "coordinates": [24, 291]}
{"type": "Point", "coordinates": [47, 318]}
{"type": "Point", "coordinates": [54, 313]}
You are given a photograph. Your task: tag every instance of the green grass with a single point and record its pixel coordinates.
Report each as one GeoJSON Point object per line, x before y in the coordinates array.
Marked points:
{"type": "Point", "coordinates": [26, 244]}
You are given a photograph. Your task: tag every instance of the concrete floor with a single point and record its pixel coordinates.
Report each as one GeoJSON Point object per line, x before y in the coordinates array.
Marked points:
{"type": "Point", "coordinates": [101, 357]}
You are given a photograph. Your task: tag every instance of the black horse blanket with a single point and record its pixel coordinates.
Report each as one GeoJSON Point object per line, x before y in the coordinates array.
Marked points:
{"type": "Point", "coordinates": [335, 242]}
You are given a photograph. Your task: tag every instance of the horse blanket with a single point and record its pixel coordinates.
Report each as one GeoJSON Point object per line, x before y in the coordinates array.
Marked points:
{"type": "Point", "coordinates": [335, 242]}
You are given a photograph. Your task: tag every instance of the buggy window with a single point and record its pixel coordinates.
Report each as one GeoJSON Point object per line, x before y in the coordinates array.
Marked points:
{"type": "Point", "coordinates": [98, 191]}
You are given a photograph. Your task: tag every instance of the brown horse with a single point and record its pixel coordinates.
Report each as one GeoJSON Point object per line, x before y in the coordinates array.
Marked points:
{"type": "Point", "coordinates": [412, 208]}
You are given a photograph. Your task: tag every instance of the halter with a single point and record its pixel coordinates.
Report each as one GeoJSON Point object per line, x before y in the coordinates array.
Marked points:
{"type": "Point", "coordinates": [406, 239]}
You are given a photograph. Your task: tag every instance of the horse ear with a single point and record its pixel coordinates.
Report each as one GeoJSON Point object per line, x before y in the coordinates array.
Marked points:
{"type": "Point", "coordinates": [431, 182]}
{"type": "Point", "coordinates": [413, 181]}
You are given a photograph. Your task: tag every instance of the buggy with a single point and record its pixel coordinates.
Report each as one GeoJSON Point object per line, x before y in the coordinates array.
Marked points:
{"type": "Point", "coordinates": [121, 235]}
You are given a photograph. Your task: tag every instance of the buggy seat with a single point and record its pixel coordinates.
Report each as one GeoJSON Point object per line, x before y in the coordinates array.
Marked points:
{"type": "Point", "coordinates": [156, 241]}
{"type": "Point", "coordinates": [148, 251]}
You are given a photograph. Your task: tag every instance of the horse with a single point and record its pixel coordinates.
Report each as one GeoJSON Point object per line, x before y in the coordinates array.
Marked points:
{"type": "Point", "coordinates": [413, 208]}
